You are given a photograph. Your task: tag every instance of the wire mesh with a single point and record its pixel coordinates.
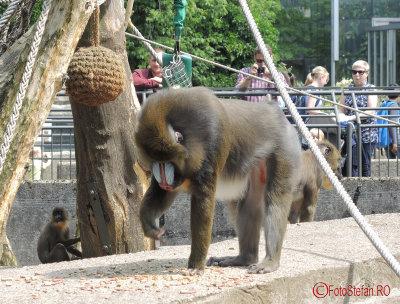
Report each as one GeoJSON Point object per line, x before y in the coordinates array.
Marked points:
{"type": "Point", "coordinates": [175, 74]}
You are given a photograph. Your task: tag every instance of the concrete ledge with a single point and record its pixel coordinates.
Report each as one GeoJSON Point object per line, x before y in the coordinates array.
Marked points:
{"type": "Point", "coordinates": [371, 195]}
{"type": "Point", "coordinates": [330, 253]}
{"type": "Point", "coordinates": [385, 167]}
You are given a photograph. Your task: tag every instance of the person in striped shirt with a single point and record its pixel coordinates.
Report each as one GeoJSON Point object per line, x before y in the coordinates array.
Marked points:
{"type": "Point", "coordinates": [259, 69]}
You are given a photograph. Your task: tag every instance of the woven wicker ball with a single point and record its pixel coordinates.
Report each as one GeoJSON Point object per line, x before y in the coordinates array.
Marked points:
{"type": "Point", "coordinates": [95, 76]}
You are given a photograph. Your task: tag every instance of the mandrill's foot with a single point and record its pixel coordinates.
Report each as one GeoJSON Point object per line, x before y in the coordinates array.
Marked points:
{"type": "Point", "coordinates": [193, 271]}
{"type": "Point", "coordinates": [264, 267]}
{"type": "Point", "coordinates": [231, 261]}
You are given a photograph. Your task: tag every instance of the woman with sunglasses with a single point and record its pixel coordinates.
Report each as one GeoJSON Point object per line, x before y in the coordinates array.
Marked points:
{"type": "Point", "coordinates": [259, 69]}
{"type": "Point", "coordinates": [360, 72]}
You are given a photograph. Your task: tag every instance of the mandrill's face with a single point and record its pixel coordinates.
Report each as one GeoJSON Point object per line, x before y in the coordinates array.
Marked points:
{"type": "Point", "coordinates": [166, 173]}
{"type": "Point", "coordinates": [165, 154]}
{"type": "Point", "coordinates": [172, 134]}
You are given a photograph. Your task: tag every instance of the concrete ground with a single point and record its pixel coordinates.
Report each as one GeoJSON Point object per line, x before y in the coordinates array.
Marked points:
{"type": "Point", "coordinates": [322, 262]}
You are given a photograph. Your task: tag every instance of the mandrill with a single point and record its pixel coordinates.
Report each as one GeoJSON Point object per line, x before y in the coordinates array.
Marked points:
{"type": "Point", "coordinates": [312, 177]}
{"type": "Point", "coordinates": [240, 152]}
{"type": "Point", "coordinates": [54, 242]}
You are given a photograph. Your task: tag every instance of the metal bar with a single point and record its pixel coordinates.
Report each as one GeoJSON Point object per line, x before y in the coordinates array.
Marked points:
{"type": "Point", "coordinates": [381, 58]}
{"type": "Point", "coordinates": [375, 61]}
{"type": "Point", "coordinates": [394, 57]}
{"type": "Point", "coordinates": [359, 137]}
{"type": "Point", "coordinates": [369, 54]}
{"type": "Point", "coordinates": [349, 149]}
{"type": "Point", "coordinates": [339, 129]}
{"type": "Point", "coordinates": [334, 38]}
{"type": "Point", "coordinates": [388, 57]}
{"type": "Point", "coordinates": [100, 221]}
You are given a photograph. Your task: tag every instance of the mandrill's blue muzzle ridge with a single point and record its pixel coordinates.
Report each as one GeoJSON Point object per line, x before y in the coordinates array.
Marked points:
{"type": "Point", "coordinates": [164, 174]}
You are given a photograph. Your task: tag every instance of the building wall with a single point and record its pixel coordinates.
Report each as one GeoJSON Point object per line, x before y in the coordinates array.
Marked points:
{"type": "Point", "coordinates": [355, 19]}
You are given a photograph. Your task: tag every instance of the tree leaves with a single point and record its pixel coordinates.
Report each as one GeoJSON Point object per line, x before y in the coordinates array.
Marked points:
{"type": "Point", "coordinates": [213, 29]}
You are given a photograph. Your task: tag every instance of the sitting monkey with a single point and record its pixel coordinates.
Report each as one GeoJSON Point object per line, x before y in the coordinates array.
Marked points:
{"type": "Point", "coordinates": [54, 241]}
{"type": "Point", "coordinates": [226, 149]}
{"type": "Point", "coordinates": [312, 177]}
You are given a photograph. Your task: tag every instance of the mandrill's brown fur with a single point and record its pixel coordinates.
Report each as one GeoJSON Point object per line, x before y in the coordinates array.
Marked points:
{"type": "Point", "coordinates": [236, 151]}
{"type": "Point", "coordinates": [312, 177]}
{"type": "Point", "coordinates": [54, 242]}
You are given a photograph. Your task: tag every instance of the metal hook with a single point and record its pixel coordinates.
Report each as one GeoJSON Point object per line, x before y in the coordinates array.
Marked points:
{"type": "Point", "coordinates": [177, 49]}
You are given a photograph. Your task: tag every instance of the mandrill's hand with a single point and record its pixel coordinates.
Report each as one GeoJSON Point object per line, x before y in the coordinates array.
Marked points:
{"type": "Point", "coordinates": [156, 234]}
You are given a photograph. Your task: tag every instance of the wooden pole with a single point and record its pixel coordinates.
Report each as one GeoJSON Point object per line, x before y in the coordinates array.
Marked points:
{"type": "Point", "coordinates": [65, 25]}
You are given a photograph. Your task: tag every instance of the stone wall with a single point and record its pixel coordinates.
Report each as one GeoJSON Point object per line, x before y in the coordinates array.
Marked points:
{"type": "Point", "coordinates": [34, 202]}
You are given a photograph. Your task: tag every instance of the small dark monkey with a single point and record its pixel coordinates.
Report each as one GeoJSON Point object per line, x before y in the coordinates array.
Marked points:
{"type": "Point", "coordinates": [240, 152]}
{"type": "Point", "coordinates": [312, 177]}
{"type": "Point", "coordinates": [54, 241]}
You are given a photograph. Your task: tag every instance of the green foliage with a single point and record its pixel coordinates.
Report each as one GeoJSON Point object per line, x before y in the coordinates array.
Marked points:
{"type": "Point", "coordinates": [294, 34]}
{"type": "Point", "coordinates": [3, 7]}
{"type": "Point", "coordinates": [304, 39]}
{"type": "Point", "coordinates": [213, 29]}
{"type": "Point", "coordinates": [37, 9]}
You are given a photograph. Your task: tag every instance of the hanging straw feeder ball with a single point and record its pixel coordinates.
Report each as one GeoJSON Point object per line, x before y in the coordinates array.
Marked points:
{"type": "Point", "coordinates": [95, 76]}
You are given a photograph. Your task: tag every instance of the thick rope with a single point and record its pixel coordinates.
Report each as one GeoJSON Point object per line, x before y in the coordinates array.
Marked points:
{"type": "Point", "coordinates": [8, 13]}
{"type": "Point", "coordinates": [148, 42]}
{"type": "Point", "coordinates": [128, 23]}
{"type": "Point", "coordinates": [9, 135]}
{"type": "Point", "coordinates": [95, 26]}
{"type": "Point", "coordinates": [355, 213]}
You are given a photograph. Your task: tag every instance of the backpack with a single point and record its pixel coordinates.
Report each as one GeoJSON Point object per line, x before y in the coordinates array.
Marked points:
{"type": "Point", "coordinates": [384, 138]}
{"type": "Point", "coordinates": [301, 101]}
{"type": "Point", "coordinates": [296, 99]}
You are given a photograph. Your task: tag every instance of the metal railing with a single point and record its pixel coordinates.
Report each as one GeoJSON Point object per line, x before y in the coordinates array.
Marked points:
{"type": "Point", "coordinates": [56, 159]}
{"type": "Point", "coordinates": [53, 156]}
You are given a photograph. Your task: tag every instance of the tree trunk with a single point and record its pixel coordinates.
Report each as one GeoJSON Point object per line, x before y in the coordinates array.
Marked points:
{"type": "Point", "coordinates": [106, 155]}
{"type": "Point", "coordinates": [65, 24]}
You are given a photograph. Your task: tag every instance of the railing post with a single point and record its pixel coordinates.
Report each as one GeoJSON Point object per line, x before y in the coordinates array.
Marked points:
{"type": "Point", "coordinates": [349, 149]}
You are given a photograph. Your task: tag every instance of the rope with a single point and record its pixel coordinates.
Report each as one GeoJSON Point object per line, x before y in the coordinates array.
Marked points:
{"type": "Point", "coordinates": [355, 213]}
{"type": "Point", "coordinates": [147, 42]}
{"type": "Point", "coordinates": [9, 135]}
{"type": "Point", "coordinates": [8, 13]}
{"type": "Point", "coordinates": [95, 26]}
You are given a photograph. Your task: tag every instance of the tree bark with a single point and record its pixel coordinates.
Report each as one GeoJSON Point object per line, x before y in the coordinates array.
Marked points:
{"type": "Point", "coordinates": [64, 27]}
{"type": "Point", "coordinates": [106, 155]}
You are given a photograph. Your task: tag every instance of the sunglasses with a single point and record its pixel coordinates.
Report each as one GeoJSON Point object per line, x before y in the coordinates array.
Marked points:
{"type": "Point", "coordinates": [354, 72]}
{"type": "Point", "coordinates": [260, 60]}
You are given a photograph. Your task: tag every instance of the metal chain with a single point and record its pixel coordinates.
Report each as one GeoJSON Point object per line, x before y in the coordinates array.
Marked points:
{"type": "Point", "coordinates": [9, 135]}
{"type": "Point", "coordinates": [355, 213]}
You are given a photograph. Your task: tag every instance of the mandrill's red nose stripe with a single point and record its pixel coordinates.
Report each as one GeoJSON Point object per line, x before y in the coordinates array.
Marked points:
{"type": "Point", "coordinates": [164, 185]}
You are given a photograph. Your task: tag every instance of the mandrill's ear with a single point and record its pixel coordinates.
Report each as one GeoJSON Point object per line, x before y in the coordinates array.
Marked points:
{"type": "Point", "coordinates": [178, 137]}
{"type": "Point", "coordinates": [327, 150]}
